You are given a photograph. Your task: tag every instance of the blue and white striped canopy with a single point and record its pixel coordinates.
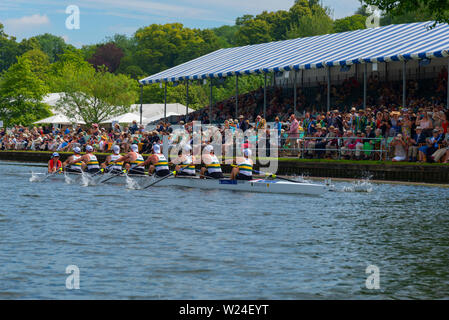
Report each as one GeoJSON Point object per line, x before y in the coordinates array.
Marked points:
{"type": "Point", "coordinates": [383, 44]}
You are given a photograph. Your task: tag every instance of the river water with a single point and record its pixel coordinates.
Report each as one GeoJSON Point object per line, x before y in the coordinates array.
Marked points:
{"type": "Point", "coordinates": [173, 243]}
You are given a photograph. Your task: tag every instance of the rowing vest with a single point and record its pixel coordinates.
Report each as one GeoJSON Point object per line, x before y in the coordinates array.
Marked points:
{"type": "Point", "coordinates": [117, 165]}
{"type": "Point", "coordinates": [93, 162]}
{"type": "Point", "coordinates": [214, 166]}
{"type": "Point", "coordinates": [138, 160]}
{"type": "Point", "coordinates": [77, 165]}
{"type": "Point", "coordinates": [162, 163]}
{"type": "Point", "coordinates": [246, 167]}
{"type": "Point", "coordinates": [188, 166]}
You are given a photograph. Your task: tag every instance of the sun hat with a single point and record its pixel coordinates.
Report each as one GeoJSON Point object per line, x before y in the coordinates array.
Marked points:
{"type": "Point", "coordinates": [116, 149]}
{"type": "Point", "coordinates": [55, 155]}
{"type": "Point", "coordinates": [157, 148]}
{"type": "Point", "coordinates": [89, 149]}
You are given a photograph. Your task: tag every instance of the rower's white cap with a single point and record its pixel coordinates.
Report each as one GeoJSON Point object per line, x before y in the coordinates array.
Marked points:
{"type": "Point", "coordinates": [134, 147]}
{"type": "Point", "coordinates": [156, 148]}
{"type": "Point", "coordinates": [55, 154]}
{"type": "Point", "coordinates": [186, 148]}
{"type": "Point", "coordinates": [77, 150]}
{"type": "Point", "coordinates": [89, 149]}
{"type": "Point", "coordinates": [247, 153]}
{"type": "Point", "coordinates": [208, 148]}
{"type": "Point", "coordinates": [116, 149]}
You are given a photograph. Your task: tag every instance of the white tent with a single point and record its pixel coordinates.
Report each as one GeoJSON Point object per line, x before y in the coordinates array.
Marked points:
{"type": "Point", "coordinates": [150, 111]}
{"type": "Point", "coordinates": [127, 118]}
{"type": "Point", "coordinates": [59, 119]}
{"type": "Point", "coordinates": [161, 116]}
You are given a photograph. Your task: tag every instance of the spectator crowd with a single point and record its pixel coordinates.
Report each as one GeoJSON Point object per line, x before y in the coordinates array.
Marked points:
{"type": "Point", "coordinates": [384, 130]}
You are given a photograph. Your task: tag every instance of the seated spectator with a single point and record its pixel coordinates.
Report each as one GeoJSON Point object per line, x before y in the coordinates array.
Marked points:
{"type": "Point", "coordinates": [415, 143]}
{"type": "Point", "coordinates": [425, 154]}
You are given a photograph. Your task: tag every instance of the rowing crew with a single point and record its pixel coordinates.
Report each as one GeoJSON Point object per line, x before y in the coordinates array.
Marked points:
{"type": "Point", "coordinates": [134, 163]}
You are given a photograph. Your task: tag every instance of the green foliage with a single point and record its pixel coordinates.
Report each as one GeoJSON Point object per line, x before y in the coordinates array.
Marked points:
{"type": "Point", "coordinates": [163, 46]}
{"type": "Point", "coordinates": [226, 35]}
{"type": "Point", "coordinates": [51, 45]}
{"type": "Point", "coordinates": [437, 9]}
{"type": "Point", "coordinates": [95, 96]}
{"type": "Point", "coordinates": [40, 64]}
{"type": "Point", "coordinates": [9, 50]}
{"type": "Point", "coordinates": [253, 32]}
{"type": "Point", "coordinates": [21, 93]}
{"type": "Point", "coordinates": [423, 14]}
{"type": "Point", "coordinates": [314, 24]}
{"type": "Point", "coordinates": [354, 22]}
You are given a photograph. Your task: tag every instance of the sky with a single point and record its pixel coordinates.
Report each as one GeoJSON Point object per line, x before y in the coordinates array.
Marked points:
{"type": "Point", "coordinates": [101, 18]}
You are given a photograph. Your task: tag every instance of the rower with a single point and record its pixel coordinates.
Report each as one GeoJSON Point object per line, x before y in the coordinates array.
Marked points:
{"type": "Point", "coordinates": [158, 163]}
{"type": "Point", "coordinates": [54, 165]}
{"type": "Point", "coordinates": [93, 166]}
{"type": "Point", "coordinates": [134, 161]}
{"type": "Point", "coordinates": [244, 169]}
{"type": "Point", "coordinates": [74, 162]}
{"type": "Point", "coordinates": [213, 168]}
{"type": "Point", "coordinates": [185, 162]}
{"type": "Point", "coordinates": [111, 165]}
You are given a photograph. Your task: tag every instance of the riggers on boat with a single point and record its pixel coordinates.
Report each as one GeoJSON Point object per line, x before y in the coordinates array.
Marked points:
{"type": "Point", "coordinates": [256, 185]}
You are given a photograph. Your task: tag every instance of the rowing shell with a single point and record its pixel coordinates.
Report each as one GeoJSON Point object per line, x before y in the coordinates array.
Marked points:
{"type": "Point", "coordinates": [257, 185]}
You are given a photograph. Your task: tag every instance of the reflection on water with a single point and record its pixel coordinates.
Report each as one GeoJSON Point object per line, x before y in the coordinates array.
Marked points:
{"type": "Point", "coordinates": [174, 243]}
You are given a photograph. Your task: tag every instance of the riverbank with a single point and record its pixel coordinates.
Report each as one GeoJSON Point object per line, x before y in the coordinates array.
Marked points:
{"type": "Point", "coordinates": [342, 169]}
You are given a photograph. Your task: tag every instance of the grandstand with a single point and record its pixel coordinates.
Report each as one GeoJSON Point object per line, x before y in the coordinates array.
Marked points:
{"type": "Point", "coordinates": [394, 53]}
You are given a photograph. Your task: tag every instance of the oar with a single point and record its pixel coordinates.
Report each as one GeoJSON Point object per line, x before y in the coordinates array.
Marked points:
{"type": "Point", "coordinates": [48, 176]}
{"type": "Point", "coordinates": [117, 174]}
{"type": "Point", "coordinates": [112, 177]}
{"type": "Point", "coordinates": [167, 176]}
{"type": "Point", "coordinates": [152, 184]}
{"type": "Point", "coordinates": [271, 175]}
{"type": "Point", "coordinates": [100, 171]}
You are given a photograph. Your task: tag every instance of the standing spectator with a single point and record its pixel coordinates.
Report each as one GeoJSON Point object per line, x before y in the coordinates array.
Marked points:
{"type": "Point", "coordinates": [133, 127]}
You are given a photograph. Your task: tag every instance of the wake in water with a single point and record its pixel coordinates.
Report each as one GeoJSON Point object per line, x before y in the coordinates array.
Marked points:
{"type": "Point", "coordinates": [67, 179]}
{"type": "Point", "coordinates": [35, 177]}
{"type": "Point", "coordinates": [88, 180]}
{"type": "Point", "coordinates": [132, 184]}
{"type": "Point", "coordinates": [363, 186]}
{"type": "Point", "coordinates": [303, 178]}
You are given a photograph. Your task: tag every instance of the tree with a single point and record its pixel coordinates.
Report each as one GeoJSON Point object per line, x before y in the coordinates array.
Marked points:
{"type": "Point", "coordinates": [439, 9]}
{"type": "Point", "coordinates": [9, 50]}
{"type": "Point", "coordinates": [227, 35]}
{"type": "Point", "coordinates": [95, 96]}
{"type": "Point", "coordinates": [160, 47]}
{"type": "Point", "coordinates": [253, 32]}
{"type": "Point", "coordinates": [21, 94]}
{"type": "Point", "coordinates": [51, 45]}
{"type": "Point", "coordinates": [278, 21]}
{"type": "Point", "coordinates": [40, 64]}
{"type": "Point", "coordinates": [420, 15]}
{"type": "Point", "coordinates": [315, 24]}
{"type": "Point", "coordinates": [354, 22]}
{"type": "Point", "coordinates": [108, 55]}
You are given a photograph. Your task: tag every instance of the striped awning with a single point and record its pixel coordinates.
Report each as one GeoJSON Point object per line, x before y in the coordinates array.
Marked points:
{"type": "Point", "coordinates": [383, 44]}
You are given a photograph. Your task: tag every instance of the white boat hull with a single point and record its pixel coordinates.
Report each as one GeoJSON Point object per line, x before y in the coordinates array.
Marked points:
{"type": "Point", "coordinates": [263, 186]}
